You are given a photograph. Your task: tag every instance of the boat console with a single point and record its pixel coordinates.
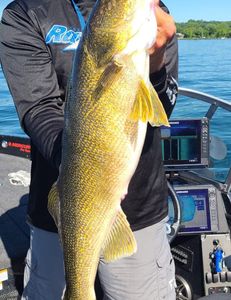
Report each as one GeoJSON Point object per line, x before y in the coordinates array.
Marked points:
{"type": "Point", "coordinates": [199, 227]}
{"type": "Point", "coordinates": [201, 210]}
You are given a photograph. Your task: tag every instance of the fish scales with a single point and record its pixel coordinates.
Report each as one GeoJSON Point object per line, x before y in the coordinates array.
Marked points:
{"type": "Point", "coordinates": [108, 106]}
{"type": "Point", "coordinates": [96, 163]}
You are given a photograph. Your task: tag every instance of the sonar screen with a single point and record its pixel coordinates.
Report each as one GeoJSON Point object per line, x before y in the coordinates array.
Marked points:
{"type": "Point", "coordinates": [186, 143]}
{"type": "Point", "coordinates": [198, 206]}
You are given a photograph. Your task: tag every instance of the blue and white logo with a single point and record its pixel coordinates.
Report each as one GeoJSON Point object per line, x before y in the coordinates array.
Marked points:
{"type": "Point", "coordinates": [59, 34]}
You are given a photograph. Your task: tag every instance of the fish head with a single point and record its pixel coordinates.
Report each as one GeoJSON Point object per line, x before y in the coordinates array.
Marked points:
{"type": "Point", "coordinates": [116, 26]}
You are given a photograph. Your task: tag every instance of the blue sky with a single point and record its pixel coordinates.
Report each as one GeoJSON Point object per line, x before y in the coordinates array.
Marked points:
{"type": "Point", "coordinates": [183, 10]}
{"type": "Point", "coordinates": [3, 3]}
{"type": "Point", "coordinates": [208, 10]}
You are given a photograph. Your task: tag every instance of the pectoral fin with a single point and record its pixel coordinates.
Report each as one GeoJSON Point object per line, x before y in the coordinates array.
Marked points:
{"type": "Point", "coordinates": [148, 107]}
{"type": "Point", "coordinates": [159, 115]}
{"type": "Point", "coordinates": [120, 241]}
{"type": "Point", "coordinates": [110, 75]}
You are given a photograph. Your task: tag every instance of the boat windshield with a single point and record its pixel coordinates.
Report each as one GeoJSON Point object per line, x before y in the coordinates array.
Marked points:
{"type": "Point", "coordinates": [192, 104]}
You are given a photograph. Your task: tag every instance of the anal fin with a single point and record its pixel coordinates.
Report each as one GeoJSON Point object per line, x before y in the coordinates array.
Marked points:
{"type": "Point", "coordinates": [120, 241]}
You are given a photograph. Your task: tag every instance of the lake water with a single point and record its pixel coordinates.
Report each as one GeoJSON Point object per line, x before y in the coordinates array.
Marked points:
{"type": "Point", "coordinates": [204, 65]}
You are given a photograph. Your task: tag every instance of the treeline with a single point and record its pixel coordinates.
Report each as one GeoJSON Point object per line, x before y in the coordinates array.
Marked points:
{"type": "Point", "coordinates": [204, 29]}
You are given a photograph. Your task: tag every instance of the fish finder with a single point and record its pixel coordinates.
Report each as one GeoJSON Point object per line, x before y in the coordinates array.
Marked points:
{"type": "Point", "coordinates": [199, 209]}
{"type": "Point", "coordinates": [185, 144]}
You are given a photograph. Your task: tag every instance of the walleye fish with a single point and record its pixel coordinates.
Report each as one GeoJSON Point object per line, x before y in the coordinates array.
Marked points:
{"type": "Point", "coordinates": [109, 103]}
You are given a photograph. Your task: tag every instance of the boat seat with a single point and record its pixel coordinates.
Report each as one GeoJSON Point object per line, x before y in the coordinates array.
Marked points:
{"type": "Point", "coordinates": [216, 297]}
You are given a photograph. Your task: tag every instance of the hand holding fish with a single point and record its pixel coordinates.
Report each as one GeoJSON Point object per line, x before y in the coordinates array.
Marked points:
{"type": "Point", "coordinates": [166, 29]}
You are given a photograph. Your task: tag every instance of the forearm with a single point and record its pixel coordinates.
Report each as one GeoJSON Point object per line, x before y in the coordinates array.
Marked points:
{"type": "Point", "coordinates": [164, 59]}
{"type": "Point", "coordinates": [32, 81]}
{"type": "Point", "coordinates": [44, 125]}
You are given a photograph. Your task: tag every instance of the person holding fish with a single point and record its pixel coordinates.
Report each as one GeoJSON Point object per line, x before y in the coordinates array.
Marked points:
{"type": "Point", "coordinates": [98, 193]}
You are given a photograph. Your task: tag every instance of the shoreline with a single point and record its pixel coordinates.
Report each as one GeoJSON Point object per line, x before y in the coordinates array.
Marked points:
{"type": "Point", "coordinates": [204, 38]}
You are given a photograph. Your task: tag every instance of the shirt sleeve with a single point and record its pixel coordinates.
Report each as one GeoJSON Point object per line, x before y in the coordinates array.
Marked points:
{"type": "Point", "coordinates": [31, 77]}
{"type": "Point", "coordinates": [165, 81]}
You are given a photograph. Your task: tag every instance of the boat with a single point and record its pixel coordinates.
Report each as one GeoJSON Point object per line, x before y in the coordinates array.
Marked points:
{"type": "Point", "coordinates": [14, 231]}
{"type": "Point", "coordinates": [200, 213]}
{"type": "Point", "coordinates": [199, 206]}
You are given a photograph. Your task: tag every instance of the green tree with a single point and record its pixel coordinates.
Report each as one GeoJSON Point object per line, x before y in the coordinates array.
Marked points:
{"type": "Point", "coordinates": [203, 29]}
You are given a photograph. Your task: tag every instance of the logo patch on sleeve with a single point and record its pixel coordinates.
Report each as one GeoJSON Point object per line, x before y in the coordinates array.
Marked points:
{"type": "Point", "coordinates": [59, 34]}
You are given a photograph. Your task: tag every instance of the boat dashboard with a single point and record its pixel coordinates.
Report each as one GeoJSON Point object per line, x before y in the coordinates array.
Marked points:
{"type": "Point", "coordinates": [199, 201]}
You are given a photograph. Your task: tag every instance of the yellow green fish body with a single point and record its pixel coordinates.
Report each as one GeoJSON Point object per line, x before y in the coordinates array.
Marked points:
{"type": "Point", "coordinates": [109, 103]}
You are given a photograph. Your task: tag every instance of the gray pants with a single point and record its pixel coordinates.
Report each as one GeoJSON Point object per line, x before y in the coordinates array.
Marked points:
{"type": "Point", "coordinates": [44, 270]}
{"type": "Point", "coordinates": [147, 275]}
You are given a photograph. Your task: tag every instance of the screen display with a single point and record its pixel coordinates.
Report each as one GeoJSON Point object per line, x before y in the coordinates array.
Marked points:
{"type": "Point", "coordinates": [181, 143]}
{"type": "Point", "coordinates": [195, 211]}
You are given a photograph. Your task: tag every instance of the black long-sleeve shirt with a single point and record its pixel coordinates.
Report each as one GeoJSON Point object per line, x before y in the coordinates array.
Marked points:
{"type": "Point", "coordinates": [35, 41]}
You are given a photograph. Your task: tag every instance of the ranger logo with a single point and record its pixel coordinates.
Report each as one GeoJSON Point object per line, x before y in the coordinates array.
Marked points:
{"type": "Point", "coordinates": [59, 34]}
